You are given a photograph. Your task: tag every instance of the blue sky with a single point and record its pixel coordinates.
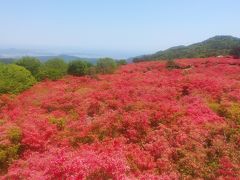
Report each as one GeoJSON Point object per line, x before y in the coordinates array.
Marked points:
{"type": "Point", "coordinates": [128, 27]}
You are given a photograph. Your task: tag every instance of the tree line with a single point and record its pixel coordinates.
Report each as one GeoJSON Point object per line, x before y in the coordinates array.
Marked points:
{"type": "Point", "coordinates": [25, 72]}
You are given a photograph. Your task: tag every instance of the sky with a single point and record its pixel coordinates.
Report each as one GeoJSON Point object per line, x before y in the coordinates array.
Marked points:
{"type": "Point", "coordinates": [114, 27]}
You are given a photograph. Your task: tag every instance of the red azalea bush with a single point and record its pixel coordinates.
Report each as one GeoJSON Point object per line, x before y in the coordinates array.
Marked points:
{"type": "Point", "coordinates": [145, 121]}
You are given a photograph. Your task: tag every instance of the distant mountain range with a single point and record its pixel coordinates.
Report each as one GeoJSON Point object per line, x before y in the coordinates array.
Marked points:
{"type": "Point", "coordinates": [11, 54]}
{"type": "Point", "coordinates": [67, 58]}
{"type": "Point", "coordinates": [18, 52]}
{"type": "Point", "coordinates": [215, 46]}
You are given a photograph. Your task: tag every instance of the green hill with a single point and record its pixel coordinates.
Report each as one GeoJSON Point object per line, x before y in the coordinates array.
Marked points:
{"type": "Point", "coordinates": [215, 46]}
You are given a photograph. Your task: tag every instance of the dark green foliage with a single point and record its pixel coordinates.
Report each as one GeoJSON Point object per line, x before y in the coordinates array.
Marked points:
{"type": "Point", "coordinates": [218, 45]}
{"type": "Point", "coordinates": [14, 79]}
{"type": "Point", "coordinates": [30, 63]}
{"type": "Point", "coordinates": [235, 52]}
{"type": "Point", "coordinates": [106, 66]}
{"type": "Point", "coordinates": [79, 68]}
{"type": "Point", "coordinates": [53, 69]}
{"type": "Point", "coordinates": [121, 62]}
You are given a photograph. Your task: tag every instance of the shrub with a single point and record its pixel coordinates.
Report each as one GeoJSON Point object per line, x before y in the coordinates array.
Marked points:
{"type": "Point", "coordinates": [30, 63]}
{"type": "Point", "coordinates": [172, 65]}
{"type": "Point", "coordinates": [14, 135]}
{"type": "Point", "coordinates": [53, 69]}
{"type": "Point", "coordinates": [163, 124]}
{"type": "Point", "coordinates": [78, 68]}
{"type": "Point", "coordinates": [106, 66]}
{"type": "Point", "coordinates": [59, 122]}
{"type": "Point", "coordinates": [92, 71]}
{"type": "Point", "coordinates": [233, 112]}
{"type": "Point", "coordinates": [11, 151]}
{"type": "Point", "coordinates": [121, 62]}
{"type": "Point", "coordinates": [235, 52]}
{"type": "Point", "coordinates": [14, 79]}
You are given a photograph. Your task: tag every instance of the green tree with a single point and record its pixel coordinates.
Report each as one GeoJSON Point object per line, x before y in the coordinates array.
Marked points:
{"type": "Point", "coordinates": [106, 66]}
{"type": "Point", "coordinates": [121, 62]}
{"type": "Point", "coordinates": [53, 69]}
{"type": "Point", "coordinates": [14, 79]}
{"type": "Point", "coordinates": [78, 68]}
{"type": "Point", "coordinates": [30, 63]}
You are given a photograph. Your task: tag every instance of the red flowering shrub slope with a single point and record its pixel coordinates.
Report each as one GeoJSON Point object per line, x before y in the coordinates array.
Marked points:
{"type": "Point", "coordinates": [145, 121]}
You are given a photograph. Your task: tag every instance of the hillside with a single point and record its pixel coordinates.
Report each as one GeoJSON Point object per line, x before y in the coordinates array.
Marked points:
{"type": "Point", "coordinates": [218, 45]}
{"type": "Point", "coordinates": [142, 122]}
